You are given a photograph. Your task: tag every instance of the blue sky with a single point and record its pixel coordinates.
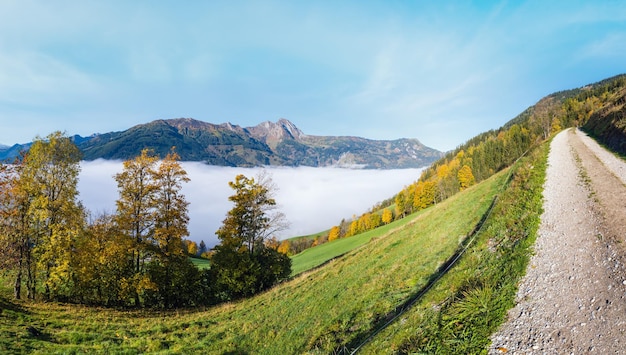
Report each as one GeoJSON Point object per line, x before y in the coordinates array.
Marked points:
{"type": "Point", "coordinates": [438, 71]}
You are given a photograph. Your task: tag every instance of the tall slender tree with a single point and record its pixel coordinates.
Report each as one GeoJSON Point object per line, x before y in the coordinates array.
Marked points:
{"type": "Point", "coordinates": [135, 217]}
{"type": "Point", "coordinates": [171, 220]}
{"type": "Point", "coordinates": [171, 207]}
{"type": "Point", "coordinates": [135, 205]}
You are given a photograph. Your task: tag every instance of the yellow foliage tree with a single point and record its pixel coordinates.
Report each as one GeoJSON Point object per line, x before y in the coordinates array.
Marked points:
{"type": "Point", "coordinates": [170, 209]}
{"type": "Point", "coordinates": [387, 216]}
{"type": "Point", "coordinates": [443, 171]}
{"type": "Point", "coordinates": [466, 178]}
{"type": "Point", "coordinates": [354, 228]}
{"type": "Point", "coordinates": [191, 247]}
{"type": "Point", "coordinates": [334, 233]}
{"type": "Point", "coordinates": [425, 193]}
{"type": "Point", "coordinates": [284, 247]}
{"type": "Point", "coordinates": [135, 205]}
{"type": "Point", "coordinates": [375, 220]}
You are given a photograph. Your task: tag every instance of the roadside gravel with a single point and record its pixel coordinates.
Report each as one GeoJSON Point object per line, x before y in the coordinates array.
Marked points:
{"type": "Point", "coordinates": [573, 297]}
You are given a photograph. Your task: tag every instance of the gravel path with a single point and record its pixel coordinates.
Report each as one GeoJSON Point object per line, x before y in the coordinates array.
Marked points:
{"type": "Point", "coordinates": [573, 297]}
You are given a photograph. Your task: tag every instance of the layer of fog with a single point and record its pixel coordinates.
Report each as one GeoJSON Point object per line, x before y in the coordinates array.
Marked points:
{"type": "Point", "coordinates": [313, 199]}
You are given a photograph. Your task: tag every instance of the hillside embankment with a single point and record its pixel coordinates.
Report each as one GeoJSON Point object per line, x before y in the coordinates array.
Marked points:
{"type": "Point", "coordinates": [573, 297]}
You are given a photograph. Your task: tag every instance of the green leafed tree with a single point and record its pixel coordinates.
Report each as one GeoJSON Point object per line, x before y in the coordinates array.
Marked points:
{"type": "Point", "coordinates": [242, 263]}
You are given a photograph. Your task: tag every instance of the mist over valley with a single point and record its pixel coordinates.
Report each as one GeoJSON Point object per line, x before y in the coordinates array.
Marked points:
{"type": "Point", "coordinates": [313, 199]}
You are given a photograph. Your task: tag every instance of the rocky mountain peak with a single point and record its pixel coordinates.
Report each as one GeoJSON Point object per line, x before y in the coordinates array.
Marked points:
{"type": "Point", "coordinates": [276, 131]}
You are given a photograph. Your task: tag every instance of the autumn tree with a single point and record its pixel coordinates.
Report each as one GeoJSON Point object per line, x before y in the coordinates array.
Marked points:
{"type": "Point", "coordinates": [242, 264]}
{"type": "Point", "coordinates": [191, 247]}
{"type": "Point", "coordinates": [354, 228]}
{"type": "Point", "coordinates": [466, 178]}
{"type": "Point", "coordinates": [49, 177]}
{"type": "Point", "coordinates": [425, 194]}
{"type": "Point", "coordinates": [104, 271]}
{"type": "Point", "coordinates": [284, 247]}
{"type": "Point", "coordinates": [171, 207]}
{"type": "Point", "coordinates": [333, 234]}
{"type": "Point", "coordinates": [135, 216]}
{"type": "Point", "coordinates": [387, 216]}
{"type": "Point", "coordinates": [16, 246]}
{"type": "Point", "coordinates": [152, 213]}
{"type": "Point", "coordinates": [170, 227]}
{"type": "Point", "coordinates": [344, 227]}
{"type": "Point", "coordinates": [255, 217]}
{"type": "Point", "coordinates": [403, 201]}
{"type": "Point", "coordinates": [375, 220]}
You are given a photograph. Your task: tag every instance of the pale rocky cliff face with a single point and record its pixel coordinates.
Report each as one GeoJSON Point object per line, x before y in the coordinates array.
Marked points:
{"type": "Point", "coordinates": [274, 132]}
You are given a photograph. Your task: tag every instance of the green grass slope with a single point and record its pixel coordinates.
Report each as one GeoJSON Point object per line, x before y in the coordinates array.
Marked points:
{"type": "Point", "coordinates": [468, 303]}
{"type": "Point", "coordinates": [316, 312]}
{"type": "Point", "coordinates": [200, 263]}
{"type": "Point", "coordinates": [316, 256]}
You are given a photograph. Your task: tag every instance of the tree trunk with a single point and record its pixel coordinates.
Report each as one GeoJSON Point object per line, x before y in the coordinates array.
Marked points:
{"type": "Point", "coordinates": [17, 289]}
{"type": "Point", "coordinates": [47, 284]}
{"type": "Point", "coordinates": [31, 273]}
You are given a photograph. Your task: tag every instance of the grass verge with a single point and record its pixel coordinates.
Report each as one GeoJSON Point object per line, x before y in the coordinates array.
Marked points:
{"type": "Point", "coordinates": [467, 305]}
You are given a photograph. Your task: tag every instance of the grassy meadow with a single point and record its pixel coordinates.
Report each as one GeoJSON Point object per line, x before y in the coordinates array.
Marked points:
{"type": "Point", "coordinates": [326, 309]}
{"type": "Point", "coordinates": [200, 263]}
{"type": "Point", "coordinates": [314, 257]}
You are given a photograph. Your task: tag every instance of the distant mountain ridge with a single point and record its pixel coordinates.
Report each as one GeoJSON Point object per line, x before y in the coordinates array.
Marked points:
{"type": "Point", "coordinates": [278, 143]}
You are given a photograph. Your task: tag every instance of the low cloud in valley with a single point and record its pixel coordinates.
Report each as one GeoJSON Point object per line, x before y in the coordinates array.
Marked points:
{"type": "Point", "coordinates": [313, 199]}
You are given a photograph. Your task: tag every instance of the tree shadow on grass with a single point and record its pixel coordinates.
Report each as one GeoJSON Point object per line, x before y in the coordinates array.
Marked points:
{"type": "Point", "coordinates": [10, 306]}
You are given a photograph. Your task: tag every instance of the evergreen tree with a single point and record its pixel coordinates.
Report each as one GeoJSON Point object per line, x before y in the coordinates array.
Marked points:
{"type": "Point", "coordinates": [202, 248]}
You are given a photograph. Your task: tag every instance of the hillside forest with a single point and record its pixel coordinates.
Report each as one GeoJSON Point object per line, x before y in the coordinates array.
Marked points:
{"type": "Point", "coordinates": [57, 250]}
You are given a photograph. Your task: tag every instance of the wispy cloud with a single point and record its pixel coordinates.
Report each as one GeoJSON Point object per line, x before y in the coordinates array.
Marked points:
{"type": "Point", "coordinates": [38, 80]}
